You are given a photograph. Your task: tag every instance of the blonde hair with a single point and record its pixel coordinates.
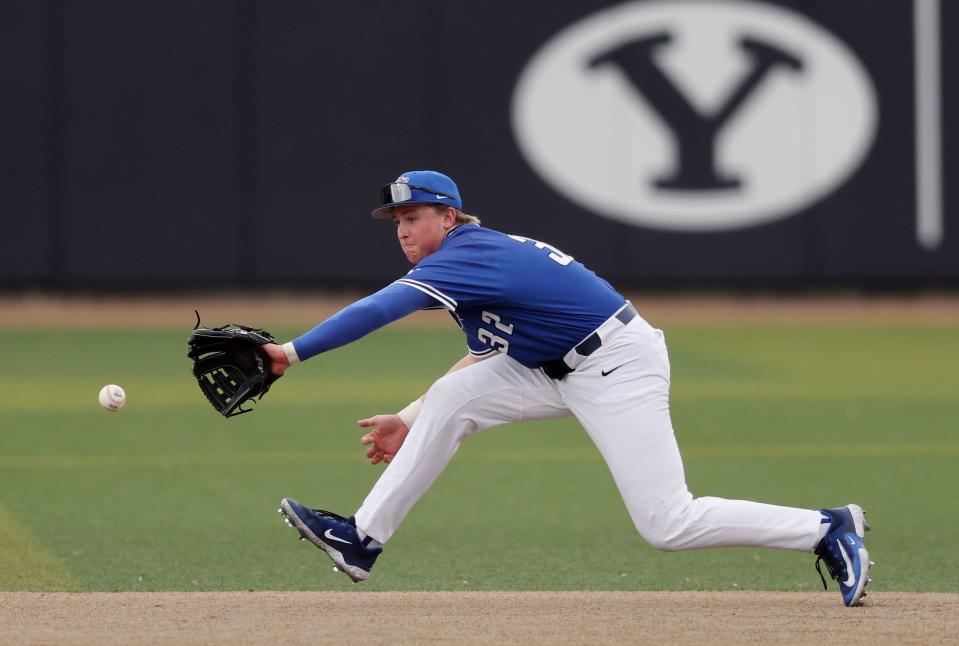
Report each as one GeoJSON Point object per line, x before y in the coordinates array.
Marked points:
{"type": "Point", "coordinates": [461, 218]}
{"type": "Point", "coordinates": [466, 218]}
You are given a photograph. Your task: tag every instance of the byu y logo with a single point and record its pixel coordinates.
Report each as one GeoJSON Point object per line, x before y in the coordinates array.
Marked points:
{"type": "Point", "coordinates": [694, 115]}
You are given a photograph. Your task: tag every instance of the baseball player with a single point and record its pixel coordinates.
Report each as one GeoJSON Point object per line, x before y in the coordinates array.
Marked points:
{"type": "Point", "coordinates": [546, 338]}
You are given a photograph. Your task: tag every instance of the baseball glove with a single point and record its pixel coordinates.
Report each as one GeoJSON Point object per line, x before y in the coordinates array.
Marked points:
{"type": "Point", "coordinates": [230, 365]}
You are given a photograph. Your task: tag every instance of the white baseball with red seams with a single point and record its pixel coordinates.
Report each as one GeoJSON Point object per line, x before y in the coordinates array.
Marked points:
{"type": "Point", "coordinates": [112, 397]}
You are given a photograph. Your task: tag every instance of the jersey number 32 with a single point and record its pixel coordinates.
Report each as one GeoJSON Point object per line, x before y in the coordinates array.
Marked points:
{"type": "Point", "coordinates": [494, 340]}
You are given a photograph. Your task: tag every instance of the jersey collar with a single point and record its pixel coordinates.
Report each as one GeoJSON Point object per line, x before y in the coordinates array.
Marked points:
{"type": "Point", "coordinates": [456, 229]}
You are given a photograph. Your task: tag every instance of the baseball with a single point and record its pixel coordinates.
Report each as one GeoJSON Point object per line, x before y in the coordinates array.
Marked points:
{"type": "Point", "coordinates": [112, 397]}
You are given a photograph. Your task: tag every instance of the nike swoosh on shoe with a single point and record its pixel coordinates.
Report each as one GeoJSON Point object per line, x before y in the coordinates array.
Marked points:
{"type": "Point", "coordinates": [851, 578]}
{"type": "Point", "coordinates": [329, 534]}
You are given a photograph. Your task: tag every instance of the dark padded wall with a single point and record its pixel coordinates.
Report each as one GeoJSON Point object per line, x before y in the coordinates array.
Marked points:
{"type": "Point", "coordinates": [164, 143]}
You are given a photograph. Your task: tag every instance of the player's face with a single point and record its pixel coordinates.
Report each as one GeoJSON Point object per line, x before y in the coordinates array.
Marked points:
{"type": "Point", "coordinates": [420, 229]}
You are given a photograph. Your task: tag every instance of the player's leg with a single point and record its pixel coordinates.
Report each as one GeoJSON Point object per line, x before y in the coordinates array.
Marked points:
{"type": "Point", "coordinates": [626, 413]}
{"type": "Point", "coordinates": [492, 392]}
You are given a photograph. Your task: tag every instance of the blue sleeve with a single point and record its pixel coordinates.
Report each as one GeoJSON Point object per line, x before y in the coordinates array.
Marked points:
{"type": "Point", "coordinates": [359, 319]}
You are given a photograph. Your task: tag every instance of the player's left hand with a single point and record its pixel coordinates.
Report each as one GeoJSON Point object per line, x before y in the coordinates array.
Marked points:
{"type": "Point", "coordinates": [388, 434]}
{"type": "Point", "coordinates": [278, 359]}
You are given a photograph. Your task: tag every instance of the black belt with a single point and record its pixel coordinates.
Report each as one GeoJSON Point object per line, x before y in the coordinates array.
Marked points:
{"type": "Point", "coordinates": [557, 369]}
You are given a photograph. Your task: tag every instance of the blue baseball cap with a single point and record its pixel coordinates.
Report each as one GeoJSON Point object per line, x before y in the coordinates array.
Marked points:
{"type": "Point", "coordinates": [417, 187]}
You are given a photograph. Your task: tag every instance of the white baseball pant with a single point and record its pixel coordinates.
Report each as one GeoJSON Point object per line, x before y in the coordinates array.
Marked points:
{"type": "Point", "coordinates": [625, 413]}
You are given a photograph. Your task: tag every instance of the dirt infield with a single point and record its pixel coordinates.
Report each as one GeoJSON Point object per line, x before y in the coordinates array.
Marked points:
{"type": "Point", "coordinates": [475, 618]}
{"type": "Point", "coordinates": [307, 310]}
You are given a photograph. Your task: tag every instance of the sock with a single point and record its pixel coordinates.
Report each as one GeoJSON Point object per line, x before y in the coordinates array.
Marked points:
{"type": "Point", "coordinates": [371, 543]}
{"type": "Point", "coordinates": [366, 540]}
{"type": "Point", "coordinates": [825, 525]}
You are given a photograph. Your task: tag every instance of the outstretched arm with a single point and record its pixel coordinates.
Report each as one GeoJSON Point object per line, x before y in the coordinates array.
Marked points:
{"type": "Point", "coordinates": [349, 324]}
{"type": "Point", "coordinates": [390, 431]}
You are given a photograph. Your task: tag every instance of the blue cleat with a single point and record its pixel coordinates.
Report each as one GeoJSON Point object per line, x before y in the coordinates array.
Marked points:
{"type": "Point", "coordinates": [843, 550]}
{"type": "Point", "coordinates": [334, 535]}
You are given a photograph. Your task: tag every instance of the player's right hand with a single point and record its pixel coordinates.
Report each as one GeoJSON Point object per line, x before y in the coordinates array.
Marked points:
{"type": "Point", "coordinates": [388, 434]}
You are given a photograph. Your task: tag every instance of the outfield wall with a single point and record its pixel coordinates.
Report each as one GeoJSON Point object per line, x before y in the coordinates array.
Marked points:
{"type": "Point", "coordinates": [162, 143]}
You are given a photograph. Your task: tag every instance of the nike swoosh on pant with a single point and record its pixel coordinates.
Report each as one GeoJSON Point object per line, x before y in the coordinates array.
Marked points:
{"type": "Point", "coordinates": [609, 372]}
{"type": "Point", "coordinates": [329, 534]}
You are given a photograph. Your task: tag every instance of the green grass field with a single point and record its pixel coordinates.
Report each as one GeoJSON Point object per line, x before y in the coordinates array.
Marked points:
{"type": "Point", "coordinates": [167, 495]}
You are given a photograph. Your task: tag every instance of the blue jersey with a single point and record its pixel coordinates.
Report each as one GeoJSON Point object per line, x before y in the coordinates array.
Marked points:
{"type": "Point", "coordinates": [514, 295]}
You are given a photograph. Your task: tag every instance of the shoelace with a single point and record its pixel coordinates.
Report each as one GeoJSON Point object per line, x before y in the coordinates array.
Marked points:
{"type": "Point", "coordinates": [829, 556]}
{"type": "Point", "coordinates": [330, 514]}
{"type": "Point", "coordinates": [824, 586]}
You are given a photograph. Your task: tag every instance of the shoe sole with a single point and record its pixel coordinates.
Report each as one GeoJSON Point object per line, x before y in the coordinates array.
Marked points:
{"type": "Point", "coordinates": [859, 520]}
{"type": "Point", "coordinates": [355, 573]}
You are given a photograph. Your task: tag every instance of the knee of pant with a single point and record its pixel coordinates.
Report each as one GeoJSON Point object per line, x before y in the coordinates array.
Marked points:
{"type": "Point", "coordinates": [663, 529]}
{"type": "Point", "coordinates": [661, 542]}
